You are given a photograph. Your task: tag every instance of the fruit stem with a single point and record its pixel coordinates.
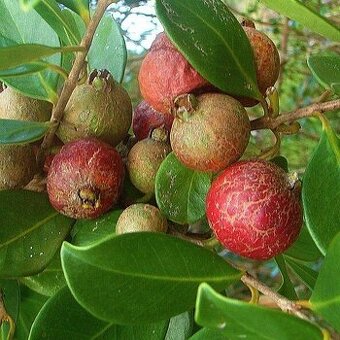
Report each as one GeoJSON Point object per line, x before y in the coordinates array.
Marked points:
{"type": "Point", "coordinates": [4, 317]}
{"type": "Point", "coordinates": [71, 81]}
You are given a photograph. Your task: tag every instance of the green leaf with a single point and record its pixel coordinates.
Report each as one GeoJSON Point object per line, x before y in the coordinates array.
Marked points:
{"type": "Point", "coordinates": [325, 299]}
{"type": "Point", "coordinates": [152, 276]}
{"type": "Point", "coordinates": [281, 161]}
{"type": "Point", "coordinates": [13, 56]}
{"type": "Point", "coordinates": [304, 247]}
{"type": "Point", "coordinates": [287, 287]}
{"type": "Point", "coordinates": [49, 281]}
{"type": "Point", "coordinates": [11, 297]}
{"type": "Point", "coordinates": [87, 232]}
{"type": "Point", "coordinates": [320, 189]}
{"type": "Point", "coordinates": [29, 28]}
{"type": "Point", "coordinates": [23, 70]}
{"type": "Point", "coordinates": [81, 7]}
{"type": "Point", "coordinates": [71, 321]}
{"type": "Point", "coordinates": [213, 41]}
{"type": "Point", "coordinates": [312, 20]}
{"type": "Point", "coordinates": [306, 274]}
{"type": "Point", "coordinates": [237, 319]}
{"type": "Point", "coordinates": [30, 305]}
{"type": "Point", "coordinates": [108, 50]}
{"type": "Point", "coordinates": [180, 327]}
{"type": "Point", "coordinates": [180, 192]}
{"type": "Point", "coordinates": [31, 232]}
{"type": "Point", "coordinates": [27, 5]}
{"type": "Point", "coordinates": [21, 132]}
{"type": "Point", "coordinates": [326, 70]}
{"type": "Point", "coordinates": [66, 29]}
{"type": "Point", "coordinates": [207, 333]}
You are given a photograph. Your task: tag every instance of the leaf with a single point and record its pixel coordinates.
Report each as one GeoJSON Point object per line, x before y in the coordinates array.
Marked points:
{"type": "Point", "coordinates": [152, 276]}
{"type": "Point", "coordinates": [180, 192]}
{"type": "Point", "coordinates": [23, 70]}
{"type": "Point", "coordinates": [304, 247]}
{"type": "Point", "coordinates": [49, 281]}
{"type": "Point", "coordinates": [213, 41]}
{"type": "Point", "coordinates": [320, 189]}
{"type": "Point", "coordinates": [27, 5]}
{"type": "Point", "coordinates": [30, 305]}
{"type": "Point", "coordinates": [80, 7]}
{"type": "Point", "coordinates": [13, 56]}
{"type": "Point", "coordinates": [31, 232]}
{"type": "Point", "coordinates": [66, 29]}
{"type": "Point", "coordinates": [306, 274]}
{"type": "Point", "coordinates": [309, 18]}
{"type": "Point", "coordinates": [207, 333]}
{"type": "Point", "coordinates": [237, 319]}
{"type": "Point", "coordinates": [325, 299]}
{"type": "Point", "coordinates": [75, 322]}
{"type": "Point", "coordinates": [108, 50]}
{"type": "Point", "coordinates": [180, 327]}
{"type": "Point", "coordinates": [29, 28]}
{"type": "Point", "coordinates": [11, 297]}
{"type": "Point", "coordinates": [287, 287]}
{"type": "Point", "coordinates": [87, 232]}
{"type": "Point", "coordinates": [20, 132]}
{"type": "Point", "coordinates": [326, 70]}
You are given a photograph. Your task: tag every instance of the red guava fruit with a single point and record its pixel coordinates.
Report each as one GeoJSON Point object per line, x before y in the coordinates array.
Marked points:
{"type": "Point", "coordinates": [210, 131]}
{"type": "Point", "coordinates": [254, 209]}
{"type": "Point", "coordinates": [165, 74]}
{"type": "Point", "coordinates": [145, 119]}
{"type": "Point", "coordinates": [85, 178]}
{"type": "Point", "coordinates": [141, 217]}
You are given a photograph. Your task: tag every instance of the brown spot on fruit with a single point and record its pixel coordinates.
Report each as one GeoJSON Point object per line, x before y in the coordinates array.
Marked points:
{"type": "Point", "coordinates": [85, 178]}
{"type": "Point", "coordinates": [212, 136]}
{"type": "Point", "coordinates": [141, 217]}
{"type": "Point", "coordinates": [254, 209]}
{"type": "Point", "coordinates": [165, 74]}
{"type": "Point", "coordinates": [101, 108]}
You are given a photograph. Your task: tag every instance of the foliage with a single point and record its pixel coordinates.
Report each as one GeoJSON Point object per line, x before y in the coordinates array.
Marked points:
{"type": "Point", "coordinates": [62, 278]}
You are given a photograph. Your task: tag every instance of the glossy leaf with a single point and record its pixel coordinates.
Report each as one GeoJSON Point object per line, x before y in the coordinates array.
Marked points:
{"type": "Point", "coordinates": [49, 281]}
{"type": "Point", "coordinates": [66, 29]}
{"type": "Point", "coordinates": [23, 70]}
{"type": "Point", "coordinates": [326, 69]}
{"type": "Point", "coordinates": [81, 7]}
{"type": "Point", "coordinates": [180, 192]}
{"type": "Point", "coordinates": [30, 305]}
{"type": "Point", "coordinates": [213, 41]}
{"type": "Point", "coordinates": [31, 232]}
{"type": "Point", "coordinates": [306, 274]}
{"type": "Point", "coordinates": [11, 298]}
{"type": "Point", "coordinates": [20, 132]}
{"type": "Point", "coordinates": [237, 319]}
{"type": "Point", "coordinates": [180, 327]}
{"type": "Point", "coordinates": [320, 189]}
{"type": "Point", "coordinates": [287, 287]}
{"type": "Point", "coordinates": [207, 333]}
{"type": "Point", "coordinates": [108, 50]}
{"type": "Point", "coordinates": [26, 28]}
{"type": "Point", "coordinates": [27, 5]}
{"type": "Point", "coordinates": [87, 232]}
{"type": "Point", "coordinates": [152, 276]}
{"type": "Point", "coordinates": [304, 247]}
{"type": "Point", "coordinates": [296, 10]}
{"type": "Point", "coordinates": [63, 318]}
{"type": "Point", "coordinates": [325, 299]}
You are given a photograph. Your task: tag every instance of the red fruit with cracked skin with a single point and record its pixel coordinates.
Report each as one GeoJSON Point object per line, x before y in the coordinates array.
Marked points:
{"type": "Point", "coordinates": [85, 178]}
{"type": "Point", "coordinates": [165, 74]}
{"type": "Point", "coordinates": [254, 209]}
{"type": "Point", "coordinates": [145, 119]}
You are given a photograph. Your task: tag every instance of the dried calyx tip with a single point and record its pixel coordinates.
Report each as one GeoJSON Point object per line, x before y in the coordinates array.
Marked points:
{"type": "Point", "coordinates": [247, 23]}
{"type": "Point", "coordinates": [101, 80]}
{"type": "Point", "coordinates": [89, 197]}
{"type": "Point", "coordinates": [160, 134]}
{"type": "Point", "coordinates": [184, 105]}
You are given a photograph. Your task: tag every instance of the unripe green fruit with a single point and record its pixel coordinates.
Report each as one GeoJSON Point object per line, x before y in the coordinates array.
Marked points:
{"type": "Point", "coordinates": [141, 217]}
{"type": "Point", "coordinates": [144, 159]}
{"type": "Point", "coordinates": [100, 108]}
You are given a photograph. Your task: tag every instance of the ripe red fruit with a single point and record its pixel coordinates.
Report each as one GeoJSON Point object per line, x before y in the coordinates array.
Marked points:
{"type": "Point", "coordinates": [145, 119]}
{"type": "Point", "coordinates": [212, 133]}
{"type": "Point", "coordinates": [254, 209]}
{"type": "Point", "coordinates": [165, 74]}
{"type": "Point", "coordinates": [85, 178]}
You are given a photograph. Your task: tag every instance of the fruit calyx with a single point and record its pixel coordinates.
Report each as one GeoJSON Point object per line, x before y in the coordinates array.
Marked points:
{"type": "Point", "coordinates": [90, 197]}
{"type": "Point", "coordinates": [102, 80]}
{"type": "Point", "coordinates": [160, 134]}
{"type": "Point", "coordinates": [248, 23]}
{"type": "Point", "coordinates": [184, 105]}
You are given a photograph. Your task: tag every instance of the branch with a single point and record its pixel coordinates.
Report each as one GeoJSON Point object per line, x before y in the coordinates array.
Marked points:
{"type": "Point", "coordinates": [4, 317]}
{"type": "Point", "coordinates": [72, 80]}
{"type": "Point", "coordinates": [266, 122]}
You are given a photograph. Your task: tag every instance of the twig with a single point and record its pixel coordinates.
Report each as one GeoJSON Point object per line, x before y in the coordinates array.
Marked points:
{"type": "Point", "coordinates": [285, 304]}
{"type": "Point", "coordinates": [4, 317]}
{"type": "Point", "coordinates": [72, 80]}
{"type": "Point", "coordinates": [266, 122]}
{"type": "Point", "coordinates": [284, 49]}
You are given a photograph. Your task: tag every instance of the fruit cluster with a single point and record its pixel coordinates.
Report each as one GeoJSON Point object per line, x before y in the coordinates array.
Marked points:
{"type": "Point", "coordinates": [253, 206]}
